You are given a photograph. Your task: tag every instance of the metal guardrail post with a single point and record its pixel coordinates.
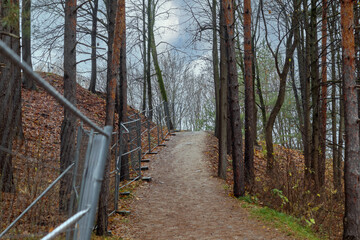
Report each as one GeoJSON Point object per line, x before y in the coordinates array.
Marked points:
{"type": "Point", "coordinates": [138, 127]}
{"type": "Point", "coordinates": [93, 181]}
{"type": "Point", "coordinates": [149, 137]}
{"type": "Point", "coordinates": [167, 115]}
{"type": "Point", "coordinates": [161, 127]}
{"type": "Point", "coordinates": [118, 169]}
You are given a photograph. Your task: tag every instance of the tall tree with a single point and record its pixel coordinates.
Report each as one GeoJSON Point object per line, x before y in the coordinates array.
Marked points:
{"type": "Point", "coordinates": [223, 103]}
{"type": "Point", "coordinates": [315, 94]}
{"type": "Point", "coordinates": [10, 92]}
{"type": "Point", "coordinates": [249, 96]}
{"type": "Point", "coordinates": [352, 154]}
{"type": "Point", "coordinates": [94, 16]}
{"type": "Point", "coordinates": [290, 46]}
{"type": "Point", "coordinates": [151, 9]}
{"type": "Point", "coordinates": [26, 40]}
{"type": "Point", "coordinates": [233, 92]}
{"type": "Point", "coordinates": [119, 28]}
{"type": "Point", "coordinates": [215, 56]}
{"type": "Point", "coordinates": [68, 126]}
{"type": "Point", "coordinates": [148, 73]}
{"type": "Point", "coordinates": [323, 94]}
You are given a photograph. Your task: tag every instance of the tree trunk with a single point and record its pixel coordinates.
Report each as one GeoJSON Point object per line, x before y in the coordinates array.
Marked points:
{"type": "Point", "coordinates": [217, 83]}
{"type": "Point", "coordinates": [68, 127]}
{"type": "Point", "coordinates": [92, 86]}
{"type": "Point", "coordinates": [119, 28]}
{"type": "Point", "coordinates": [323, 117]}
{"type": "Point", "coordinates": [10, 97]}
{"type": "Point", "coordinates": [315, 95]}
{"type": "Point", "coordinates": [148, 75]}
{"type": "Point", "coordinates": [249, 97]}
{"type": "Point", "coordinates": [26, 41]}
{"type": "Point", "coordinates": [157, 68]}
{"type": "Point", "coordinates": [233, 92]}
{"type": "Point", "coordinates": [144, 55]}
{"type": "Point", "coordinates": [335, 148]}
{"type": "Point", "coordinates": [305, 93]}
{"type": "Point", "coordinates": [222, 166]}
{"type": "Point", "coordinates": [352, 154]}
{"type": "Point", "coordinates": [122, 111]}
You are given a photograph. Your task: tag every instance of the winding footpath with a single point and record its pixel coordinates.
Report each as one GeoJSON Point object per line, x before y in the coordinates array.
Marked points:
{"type": "Point", "coordinates": [184, 200]}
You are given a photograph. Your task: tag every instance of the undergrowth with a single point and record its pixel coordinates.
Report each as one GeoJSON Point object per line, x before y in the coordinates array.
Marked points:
{"type": "Point", "coordinates": [287, 224]}
{"type": "Point", "coordinates": [284, 191]}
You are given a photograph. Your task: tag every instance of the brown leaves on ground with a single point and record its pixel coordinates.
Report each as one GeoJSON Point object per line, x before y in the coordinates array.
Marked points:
{"type": "Point", "coordinates": [284, 190]}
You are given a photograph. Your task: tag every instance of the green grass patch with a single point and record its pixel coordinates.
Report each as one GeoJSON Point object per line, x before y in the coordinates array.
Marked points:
{"type": "Point", "coordinates": [283, 222]}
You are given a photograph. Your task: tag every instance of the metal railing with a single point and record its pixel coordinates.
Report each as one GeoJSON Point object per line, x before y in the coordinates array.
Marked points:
{"type": "Point", "coordinates": [137, 137]}
{"type": "Point", "coordinates": [58, 199]}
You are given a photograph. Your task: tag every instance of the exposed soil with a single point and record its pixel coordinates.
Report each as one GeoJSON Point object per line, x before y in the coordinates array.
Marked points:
{"type": "Point", "coordinates": [185, 200]}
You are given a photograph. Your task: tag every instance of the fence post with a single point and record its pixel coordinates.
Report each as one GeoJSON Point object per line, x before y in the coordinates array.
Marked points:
{"type": "Point", "coordinates": [161, 127]}
{"type": "Point", "coordinates": [92, 183]}
{"type": "Point", "coordinates": [118, 168]}
{"type": "Point", "coordinates": [149, 137]}
{"type": "Point", "coordinates": [158, 126]}
{"type": "Point", "coordinates": [138, 126]}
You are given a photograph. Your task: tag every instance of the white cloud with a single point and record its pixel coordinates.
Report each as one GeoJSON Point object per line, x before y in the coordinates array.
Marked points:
{"type": "Point", "coordinates": [167, 24]}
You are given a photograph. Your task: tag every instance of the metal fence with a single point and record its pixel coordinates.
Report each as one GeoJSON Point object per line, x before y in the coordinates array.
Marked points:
{"type": "Point", "coordinates": [137, 138]}
{"type": "Point", "coordinates": [38, 193]}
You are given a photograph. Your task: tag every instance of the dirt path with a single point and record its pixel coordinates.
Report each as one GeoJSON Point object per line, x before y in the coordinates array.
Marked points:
{"type": "Point", "coordinates": [184, 200]}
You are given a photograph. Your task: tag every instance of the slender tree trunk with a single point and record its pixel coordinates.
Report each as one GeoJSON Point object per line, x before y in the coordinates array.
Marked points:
{"type": "Point", "coordinates": [222, 167]}
{"type": "Point", "coordinates": [144, 54]}
{"type": "Point", "coordinates": [92, 86]}
{"type": "Point", "coordinates": [249, 97]}
{"type": "Point", "coordinates": [119, 28]}
{"type": "Point", "coordinates": [122, 111]}
{"type": "Point", "coordinates": [352, 154]}
{"type": "Point", "coordinates": [215, 56]}
{"type": "Point", "coordinates": [148, 75]}
{"type": "Point", "coordinates": [68, 127]}
{"type": "Point", "coordinates": [26, 41]}
{"type": "Point", "coordinates": [323, 117]}
{"type": "Point", "coordinates": [233, 92]}
{"type": "Point", "coordinates": [335, 148]}
{"type": "Point", "coordinates": [158, 70]}
{"type": "Point", "coordinates": [10, 97]}
{"type": "Point", "coordinates": [315, 95]}
{"type": "Point", "coordinates": [306, 93]}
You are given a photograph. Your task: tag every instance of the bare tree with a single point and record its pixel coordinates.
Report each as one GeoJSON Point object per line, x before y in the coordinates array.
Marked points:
{"type": "Point", "coordinates": [68, 126]}
{"type": "Point", "coordinates": [10, 93]}
{"type": "Point", "coordinates": [249, 96]}
{"type": "Point", "coordinates": [233, 92]}
{"type": "Point", "coordinates": [352, 154]}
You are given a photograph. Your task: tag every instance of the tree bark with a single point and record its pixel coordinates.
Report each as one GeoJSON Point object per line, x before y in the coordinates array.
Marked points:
{"type": "Point", "coordinates": [157, 67]}
{"type": "Point", "coordinates": [323, 117]}
{"type": "Point", "coordinates": [249, 97]}
{"type": "Point", "coordinates": [222, 165]}
{"type": "Point", "coordinates": [68, 127]}
{"type": "Point", "coordinates": [119, 28]}
{"type": "Point", "coordinates": [315, 95]}
{"type": "Point", "coordinates": [352, 154]}
{"type": "Point", "coordinates": [26, 41]}
{"type": "Point", "coordinates": [217, 83]}
{"type": "Point", "coordinates": [10, 96]}
{"type": "Point", "coordinates": [233, 92]}
{"type": "Point", "coordinates": [92, 86]}
{"type": "Point", "coordinates": [148, 75]}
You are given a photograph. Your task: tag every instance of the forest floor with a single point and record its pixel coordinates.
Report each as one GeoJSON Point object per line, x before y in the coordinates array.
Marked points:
{"type": "Point", "coordinates": [186, 200]}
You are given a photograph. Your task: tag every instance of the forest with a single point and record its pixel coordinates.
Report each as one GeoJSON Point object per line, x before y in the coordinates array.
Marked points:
{"type": "Point", "coordinates": [275, 81]}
